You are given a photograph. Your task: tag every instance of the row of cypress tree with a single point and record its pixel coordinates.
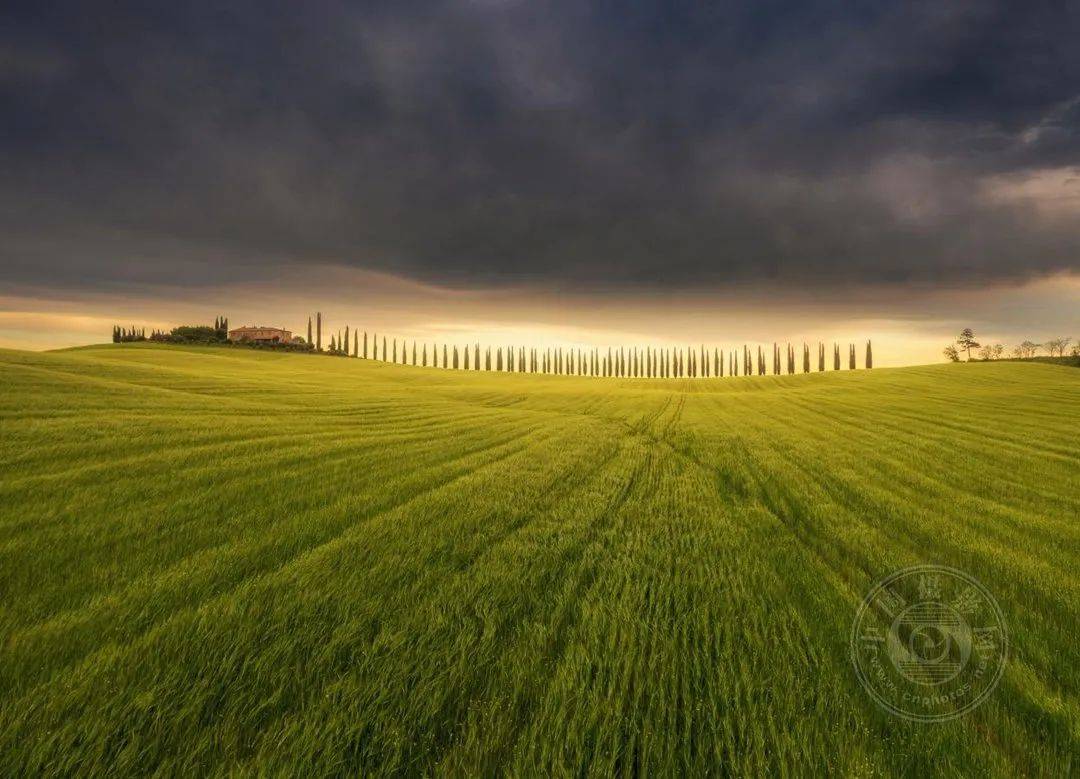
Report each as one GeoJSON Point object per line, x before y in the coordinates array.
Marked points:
{"type": "Point", "coordinates": [636, 362]}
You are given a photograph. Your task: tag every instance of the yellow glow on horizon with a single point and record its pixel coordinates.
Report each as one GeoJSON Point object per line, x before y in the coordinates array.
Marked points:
{"type": "Point", "coordinates": [904, 332]}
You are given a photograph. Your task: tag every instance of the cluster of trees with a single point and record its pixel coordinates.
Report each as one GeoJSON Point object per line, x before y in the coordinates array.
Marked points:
{"type": "Point", "coordinates": [966, 343]}
{"type": "Point", "coordinates": [640, 362]}
{"type": "Point", "coordinates": [195, 334]}
{"type": "Point", "coordinates": [128, 334]}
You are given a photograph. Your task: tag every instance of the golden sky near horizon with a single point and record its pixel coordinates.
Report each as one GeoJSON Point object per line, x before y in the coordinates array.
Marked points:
{"type": "Point", "coordinates": [905, 332]}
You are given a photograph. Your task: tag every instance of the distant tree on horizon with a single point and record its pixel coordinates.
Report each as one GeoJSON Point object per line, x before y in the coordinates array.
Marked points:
{"type": "Point", "coordinates": [869, 356]}
{"type": "Point", "coordinates": [966, 342]}
{"type": "Point", "coordinates": [318, 331]}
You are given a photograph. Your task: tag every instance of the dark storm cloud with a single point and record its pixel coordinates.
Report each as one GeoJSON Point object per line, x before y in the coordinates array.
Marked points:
{"type": "Point", "coordinates": [566, 144]}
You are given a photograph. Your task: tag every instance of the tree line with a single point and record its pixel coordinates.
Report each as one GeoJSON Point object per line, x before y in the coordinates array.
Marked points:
{"type": "Point", "coordinates": [620, 362]}
{"type": "Point", "coordinates": [967, 345]}
{"type": "Point", "coordinates": [186, 334]}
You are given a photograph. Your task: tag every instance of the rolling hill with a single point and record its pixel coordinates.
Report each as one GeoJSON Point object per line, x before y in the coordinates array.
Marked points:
{"type": "Point", "coordinates": [221, 560]}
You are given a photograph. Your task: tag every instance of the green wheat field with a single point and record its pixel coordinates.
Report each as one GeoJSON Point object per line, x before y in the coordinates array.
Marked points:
{"type": "Point", "coordinates": [228, 561]}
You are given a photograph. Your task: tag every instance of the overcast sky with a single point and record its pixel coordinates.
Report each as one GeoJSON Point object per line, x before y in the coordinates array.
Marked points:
{"type": "Point", "coordinates": [644, 152]}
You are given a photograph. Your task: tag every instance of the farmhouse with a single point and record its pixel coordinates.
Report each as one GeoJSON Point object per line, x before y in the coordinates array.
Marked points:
{"type": "Point", "coordinates": [258, 334]}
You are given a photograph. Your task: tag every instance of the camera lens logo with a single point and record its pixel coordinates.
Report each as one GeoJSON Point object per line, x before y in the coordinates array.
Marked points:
{"type": "Point", "coordinates": [929, 643]}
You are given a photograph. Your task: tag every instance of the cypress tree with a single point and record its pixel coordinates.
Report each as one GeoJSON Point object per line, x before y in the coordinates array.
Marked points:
{"type": "Point", "coordinates": [869, 356]}
{"type": "Point", "coordinates": [455, 358]}
{"type": "Point", "coordinates": [423, 355]}
{"type": "Point", "coordinates": [476, 357]}
{"type": "Point", "coordinates": [356, 343]}
{"type": "Point", "coordinates": [821, 357]}
{"type": "Point", "coordinates": [836, 356]}
{"type": "Point", "coordinates": [445, 352]}
{"type": "Point", "coordinates": [851, 356]}
{"type": "Point", "coordinates": [346, 341]}
{"type": "Point", "coordinates": [414, 353]}
{"type": "Point", "coordinates": [318, 331]}
{"type": "Point", "coordinates": [498, 359]}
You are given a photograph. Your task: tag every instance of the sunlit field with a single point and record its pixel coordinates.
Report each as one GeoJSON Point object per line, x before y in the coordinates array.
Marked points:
{"type": "Point", "coordinates": [224, 560]}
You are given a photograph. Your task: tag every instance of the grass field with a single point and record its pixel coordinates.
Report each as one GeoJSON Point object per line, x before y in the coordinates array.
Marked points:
{"type": "Point", "coordinates": [216, 560]}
